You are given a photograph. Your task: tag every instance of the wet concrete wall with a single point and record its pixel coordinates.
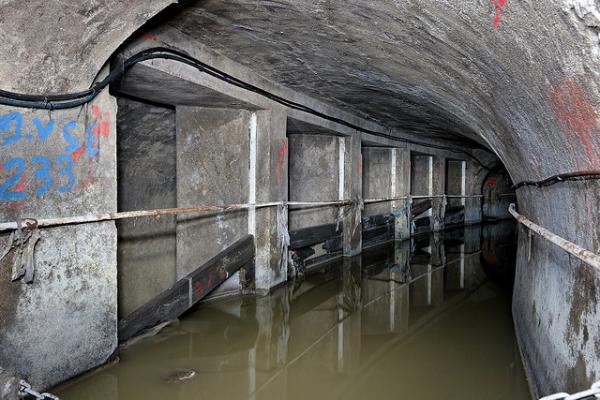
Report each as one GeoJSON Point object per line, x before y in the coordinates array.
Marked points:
{"type": "Point", "coordinates": [213, 153]}
{"type": "Point", "coordinates": [377, 179]}
{"type": "Point", "coordinates": [556, 299]}
{"type": "Point", "coordinates": [146, 166]}
{"type": "Point", "coordinates": [314, 177]}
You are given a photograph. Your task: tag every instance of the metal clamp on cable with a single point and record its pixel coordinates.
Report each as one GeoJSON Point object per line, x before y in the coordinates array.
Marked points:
{"type": "Point", "coordinates": [593, 392]}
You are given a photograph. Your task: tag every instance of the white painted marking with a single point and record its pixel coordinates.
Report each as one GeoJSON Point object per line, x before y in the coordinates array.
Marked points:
{"type": "Point", "coordinates": [341, 168]}
{"type": "Point", "coordinates": [252, 176]}
{"type": "Point", "coordinates": [463, 182]}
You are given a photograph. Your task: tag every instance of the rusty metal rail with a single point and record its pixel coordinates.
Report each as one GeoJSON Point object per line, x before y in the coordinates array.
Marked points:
{"type": "Point", "coordinates": [31, 223]}
{"type": "Point", "coordinates": [584, 255]}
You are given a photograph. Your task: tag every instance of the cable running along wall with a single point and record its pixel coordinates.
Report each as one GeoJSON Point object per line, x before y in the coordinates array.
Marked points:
{"type": "Point", "coordinates": [77, 99]}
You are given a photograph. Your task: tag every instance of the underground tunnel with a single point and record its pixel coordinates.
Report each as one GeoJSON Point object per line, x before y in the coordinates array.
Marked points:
{"type": "Point", "coordinates": [291, 199]}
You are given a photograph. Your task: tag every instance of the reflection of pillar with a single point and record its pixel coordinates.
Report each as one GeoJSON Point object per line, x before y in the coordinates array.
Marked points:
{"type": "Point", "coordinates": [401, 208]}
{"type": "Point", "coordinates": [272, 315]}
{"type": "Point", "coordinates": [420, 289]}
{"type": "Point", "coordinates": [352, 190]}
{"type": "Point", "coordinates": [399, 305]}
{"type": "Point", "coordinates": [472, 247]}
{"type": "Point", "coordinates": [439, 184]}
{"type": "Point", "coordinates": [401, 261]}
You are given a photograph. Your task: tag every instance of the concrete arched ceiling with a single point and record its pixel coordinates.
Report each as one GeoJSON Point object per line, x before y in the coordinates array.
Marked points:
{"type": "Point", "coordinates": [519, 76]}
{"type": "Point", "coordinates": [59, 46]}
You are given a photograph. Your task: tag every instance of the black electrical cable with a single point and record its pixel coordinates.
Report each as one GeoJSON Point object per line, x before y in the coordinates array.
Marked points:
{"type": "Point", "coordinates": [569, 176]}
{"type": "Point", "coordinates": [73, 100]}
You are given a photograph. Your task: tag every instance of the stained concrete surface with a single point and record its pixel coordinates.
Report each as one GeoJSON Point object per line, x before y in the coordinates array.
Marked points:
{"type": "Point", "coordinates": [213, 155]}
{"type": "Point", "coordinates": [146, 166]}
{"type": "Point", "coordinates": [314, 177]}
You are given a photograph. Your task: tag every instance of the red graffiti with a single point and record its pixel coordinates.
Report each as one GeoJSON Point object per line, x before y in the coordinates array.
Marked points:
{"type": "Point", "coordinates": [198, 289]}
{"type": "Point", "coordinates": [223, 275]}
{"type": "Point", "coordinates": [76, 155]}
{"type": "Point", "coordinates": [280, 161]}
{"type": "Point", "coordinates": [578, 120]}
{"type": "Point", "coordinates": [491, 181]}
{"type": "Point", "coordinates": [20, 187]}
{"type": "Point", "coordinates": [358, 164]}
{"type": "Point", "coordinates": [499, 4]}
{"type": "Point", "coordinates": [103, 127]}
{"type": "Point", "coordinates": [13, 205]}
{"type": "Point", "coordinates": [150, 36]}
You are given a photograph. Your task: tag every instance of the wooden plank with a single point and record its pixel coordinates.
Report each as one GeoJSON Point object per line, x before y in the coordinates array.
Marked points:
{"type": "Point", "coordinates": [376, 221]}
{"type": "Point", "coordinates": [420, 206]}
{"type": "Point", "coordinates": [313, 235]}
{"type": "Point", "coordinates": [173, 302]}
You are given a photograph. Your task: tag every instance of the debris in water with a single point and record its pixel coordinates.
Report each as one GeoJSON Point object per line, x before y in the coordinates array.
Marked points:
{"type": "Point", "coordinates": [181, 376]}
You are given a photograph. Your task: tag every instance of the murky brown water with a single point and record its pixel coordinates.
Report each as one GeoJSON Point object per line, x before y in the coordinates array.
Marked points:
{"type": "Point", "coordinates": [431, 323]}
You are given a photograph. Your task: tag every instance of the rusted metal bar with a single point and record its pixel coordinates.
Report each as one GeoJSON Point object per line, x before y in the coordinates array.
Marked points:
{"type": "Point", "coordinates": [32, 223]}
{"type": "Point", "coordinates": [372, 201]}
{"type": "Point", "coordinates": [584, 255]}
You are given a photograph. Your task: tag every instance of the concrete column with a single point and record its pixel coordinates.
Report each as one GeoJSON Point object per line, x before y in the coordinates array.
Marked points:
{"type": "Point", "coordinates": [352, 190]}
{"type": "Point", "coordinates": [421, 184]}
{"type": "Point", "coordinates": [401, 208]}
{"type": "Point", "coordinates": [59, 164]}
{"type": "Point", "coordinates": [231, 156]}
{"type": "Point", "coordinates": [439, 189]}
{"type": "Point", "coordinates": [271, 185]}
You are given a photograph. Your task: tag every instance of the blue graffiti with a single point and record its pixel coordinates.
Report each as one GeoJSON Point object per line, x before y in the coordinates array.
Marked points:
{"type": "Point", "coordinates": [43, 130]}
{"type": "Point", "coordinates": [5, 122]}
{"type": "Point", "coordinates": [47, 173]}
{"type": "Point", "coordinates": [5, 189]}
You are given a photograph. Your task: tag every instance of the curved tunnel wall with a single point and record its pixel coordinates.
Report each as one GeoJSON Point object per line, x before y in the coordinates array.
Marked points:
{"type": "Point", "coordinates": [521, 80]}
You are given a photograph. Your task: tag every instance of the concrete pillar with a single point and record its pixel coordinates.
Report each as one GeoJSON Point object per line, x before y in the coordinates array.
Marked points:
{"type": "Point", "coordinates": [352, 190]}
{"type": "Point", "coordinates": [401, 188]}
{"type": "Point", "coordinates": [421, 185]}
{"type": "Point", "coordinates": [59, 164]}
{"type": "Point", "coordinates": [231, 156]}
{"type": "Point", "coordinates": [439, 189]}
{"type": "Point", "coordinates": [271, 185]}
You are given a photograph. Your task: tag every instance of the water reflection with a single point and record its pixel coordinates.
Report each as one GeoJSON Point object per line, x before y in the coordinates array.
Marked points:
{"type": "Point", "coordinates": [418, 320]}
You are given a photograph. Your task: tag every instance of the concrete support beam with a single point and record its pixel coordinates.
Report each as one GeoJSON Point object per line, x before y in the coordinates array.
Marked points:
{"type": "Point", "coordinates": [401, 188]}
{"type": "Point", "coordinates": [269, 154]}
{"type": "Point", "coordinates": [61, 164]}
{"type": "Point", "coordinates": [351, 169]}
{"type": "Point", "coordinates": [231, 156]}
{"type": "Point", "coordinates": [439, 189]}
